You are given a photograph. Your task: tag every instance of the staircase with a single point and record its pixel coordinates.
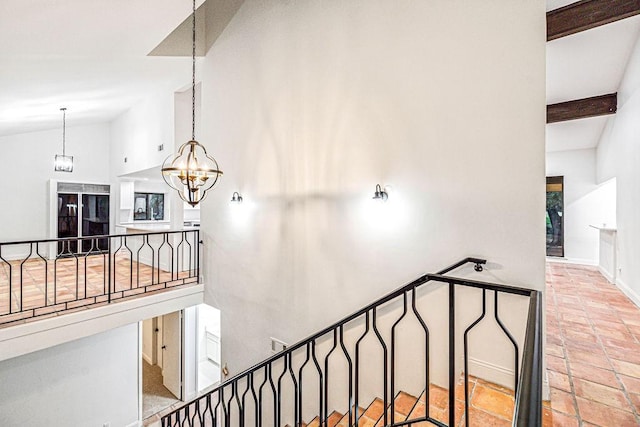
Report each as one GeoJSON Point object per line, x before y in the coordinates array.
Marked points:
{"type": "Point", "coordinates": [335, 368]}
{"type": "Point", "coordinates": [490, 405]}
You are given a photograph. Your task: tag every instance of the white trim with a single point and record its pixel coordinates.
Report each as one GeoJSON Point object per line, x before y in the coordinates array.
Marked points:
{"type": "Point", "coordinates": [140, 368]}
{"type": "Point", "coordinates": [135, 424]}
{"type": "Point", "coordinates": [577, 261]}
{"type": "Point", "coordinates": [147, 359]}
{"type": "Point", "coordinates": [546, 388]}
{"type": "Point", "coordinates": [491, 372]}
{"type": "Point", "coordinates": [630, 293]}
{"type": "Point", "coordinates": [606, 274]}
{"type": "Point", "coordinates": [39, 334]}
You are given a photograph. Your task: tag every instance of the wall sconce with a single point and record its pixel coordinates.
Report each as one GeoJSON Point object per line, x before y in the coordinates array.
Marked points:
{"type": "Point", "coordinates": [380, 194]}
{"type": "Point", "coordinates": [236, 198]}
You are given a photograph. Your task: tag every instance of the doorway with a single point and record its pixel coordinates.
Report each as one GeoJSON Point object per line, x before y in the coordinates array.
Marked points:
{"type": "Point", "coordinates": [161, 363]}
{"type": "Point", "coordinates": [555, 216]}
{"type": "Point", "coordinates": [208, 344]}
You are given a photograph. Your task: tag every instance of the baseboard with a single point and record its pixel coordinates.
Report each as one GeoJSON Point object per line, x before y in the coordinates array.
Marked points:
{"type": "Point", "coordinates": [491, 372]}
{"type": "Point", "coordinates": [147, 358]}
{"type": "Point", "coordinates": [630, 293]}
{"type": "Point", "coordinates": [576, 261]}
{"type": "Point", "coordinates": [135, 424]}
{"type": "Point", "coordinates": [606, 274]}
{"type": "Point", "coordinates": [546, 389]}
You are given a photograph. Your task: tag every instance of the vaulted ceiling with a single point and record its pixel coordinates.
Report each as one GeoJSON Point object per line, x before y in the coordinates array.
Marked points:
{"type": "Point", "coordinates": [582, 65]}
{"type": "Point", "coordinates": [93, 58]}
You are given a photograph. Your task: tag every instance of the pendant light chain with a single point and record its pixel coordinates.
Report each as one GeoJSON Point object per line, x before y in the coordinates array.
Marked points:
{"type": "Point", "coordinates": [193, 75]}
{"type": "Point", "coordinates": [64, 130]}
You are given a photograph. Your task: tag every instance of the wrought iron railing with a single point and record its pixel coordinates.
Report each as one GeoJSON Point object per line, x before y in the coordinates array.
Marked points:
{"type": "Point", "coordinates": [46, 277]}
{"type": "Point", "coordinates": [276, 392]}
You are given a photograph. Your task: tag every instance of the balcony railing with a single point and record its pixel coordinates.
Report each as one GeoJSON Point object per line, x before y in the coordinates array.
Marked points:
{"type": "Point", "coordinates": [46, 277]}
{"type": "Point", "coordinates": [367, 354]}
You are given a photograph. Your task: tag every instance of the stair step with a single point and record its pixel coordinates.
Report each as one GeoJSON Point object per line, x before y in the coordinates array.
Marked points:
{"type": "Point", "coordinates": [334, 419]}
{"type": "Point", "coordinates": [344, 422]}
{"type": "Point", "coordinates": [375, 409]}
{"type": "Point", "coordinates": [403, 405]}
{"type": "Point", "coordinates": [315, 422]}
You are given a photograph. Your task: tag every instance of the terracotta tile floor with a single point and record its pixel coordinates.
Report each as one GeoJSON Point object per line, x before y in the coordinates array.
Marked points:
{"type": "Point", "coordinates": [78, 282]}
{"type": "Point", "coordinates": [593, 350]}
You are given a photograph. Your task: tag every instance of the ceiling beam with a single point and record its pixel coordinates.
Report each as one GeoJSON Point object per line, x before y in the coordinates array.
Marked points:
{"type": "Point", "coordinates": [582, 108]}
{"type": "Point", "coordinates": [587, 14]}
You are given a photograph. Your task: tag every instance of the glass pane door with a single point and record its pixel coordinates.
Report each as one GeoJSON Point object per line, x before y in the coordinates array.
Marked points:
{"type": "Point", "coordinates": [555, 216]}
{"type": "Point", "coordinates": [95, 221]}
{"type": "Point", "coordinates": [67, 222]}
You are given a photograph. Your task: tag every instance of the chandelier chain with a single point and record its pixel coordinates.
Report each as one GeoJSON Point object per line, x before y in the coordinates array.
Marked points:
{"type": "Point", "coordinates": [193, 75]}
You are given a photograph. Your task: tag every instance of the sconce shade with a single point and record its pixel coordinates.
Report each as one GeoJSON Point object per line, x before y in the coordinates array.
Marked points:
{"type": "Point", "coordinates": [236, 198]}
{"type": "Point", "coordinates": [380, 194]}
{"type": "Point", "coordinates": [191, 172]}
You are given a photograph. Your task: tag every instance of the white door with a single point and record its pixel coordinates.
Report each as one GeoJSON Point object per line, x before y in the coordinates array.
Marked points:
{"type": "Point", "coordinates": [172, 352]}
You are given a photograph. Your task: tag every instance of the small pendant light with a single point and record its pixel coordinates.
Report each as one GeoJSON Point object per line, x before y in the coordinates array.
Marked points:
{"type": "Point", "coordinates": [63, 163]}
{"type": "Point", "coordinates": [191, 172]}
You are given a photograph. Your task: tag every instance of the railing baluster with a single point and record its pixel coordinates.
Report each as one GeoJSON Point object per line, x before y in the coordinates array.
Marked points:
{"type": "Point", "coordinates": [385, 366]}
{"type": "Point", "coordinates": [513, 341]}
{"type": "Point", "coordinates": [452, 353]}
{"type": "Point", "coordinates": [425, 328]}
{"type": "Point", "coordinates": [350, 364]}
{"type": "Point", "coordinates": [323, 422]}
{"type": "Point", "coordinates": [299, 395]}
{"type": "Point", "coordinates": [393, 357]}
{"type": "Point", "coordinates": [466, 356]}
{"type": "Point", "coordinates": [320, 379]}
{"type": "Point", "coordinates": [356, 403]}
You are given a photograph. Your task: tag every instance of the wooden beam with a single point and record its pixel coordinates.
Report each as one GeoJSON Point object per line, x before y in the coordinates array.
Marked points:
{"type": "Point", "coordinates": [582, 108]}
{"type": "Point", "coordinates": [587, 14]}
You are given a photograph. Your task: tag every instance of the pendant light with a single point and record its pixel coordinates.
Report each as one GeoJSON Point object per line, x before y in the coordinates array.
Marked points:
{"type": "Point", "coordinates": [63, 163]}
{"type": "Point", "coordinates": [191, 171]}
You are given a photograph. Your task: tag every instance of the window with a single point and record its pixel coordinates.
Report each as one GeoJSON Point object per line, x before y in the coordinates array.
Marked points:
{"type": "Point", "coordinates": [148, 206]}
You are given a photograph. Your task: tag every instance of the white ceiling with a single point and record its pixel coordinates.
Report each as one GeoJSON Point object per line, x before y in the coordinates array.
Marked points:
{"type": "Point", "coordinates": [557, 4]}
{"type": "Point", "coordinates": [582, 65]}
{"type": "Point", "coordinates": [92, 57]}
{"type": "Point", "coordinates": [89, 56]}
{"type": "Point", "coordinates": [575, 134]}
{"type": "Point", "coordinates": [591, 62]}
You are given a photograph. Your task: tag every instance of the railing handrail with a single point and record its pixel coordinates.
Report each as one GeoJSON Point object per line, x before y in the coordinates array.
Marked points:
{"type": "Point", "coordinates": [528, 410]}
{"type": "Point", "coordinates": [419, 281]}
{"type": "Point", "coordinates": [102, 236]}
{"type": "Point", "coordinates": [147, 264]}
{"type": "Point", "coordinates": [529, 391]}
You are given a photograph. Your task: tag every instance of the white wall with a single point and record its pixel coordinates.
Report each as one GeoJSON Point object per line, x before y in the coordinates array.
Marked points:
{"type": "Point", "coordinates": [86, 382]}
{"type": "Point", "coordinates": [137, 133]}
{"type": "Point", "coordinates": [585, 202]}
{"type": "Point", "coordinates": [27, 166]}
{"type": "Point", "coordinates": [309, 105]}
{"type": "Point", "coordinates": [619, 156]}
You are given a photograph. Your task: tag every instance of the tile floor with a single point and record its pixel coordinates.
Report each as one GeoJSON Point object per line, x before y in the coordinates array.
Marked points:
{"type": "Point", "coordinates": [593, 350]}
{"type": "Point", "coordinates": [78, 282]}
